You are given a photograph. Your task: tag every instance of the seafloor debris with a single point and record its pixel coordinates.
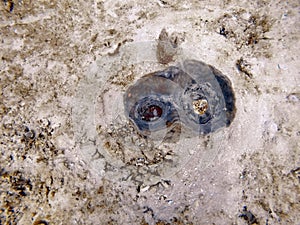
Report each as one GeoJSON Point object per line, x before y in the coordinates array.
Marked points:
{"type": "Point", "coordinates": [248, 216]}
{"type": "Point", "coordinates": [40, 222]}
{"type": "Point", "coordinates": [166, 48]}
{"type": "Point", "coordinates": [244, 67]}
{"type": "Point", "coordinates": [9, 5]}
{"type": "Point", "coordinates": [194, 93]}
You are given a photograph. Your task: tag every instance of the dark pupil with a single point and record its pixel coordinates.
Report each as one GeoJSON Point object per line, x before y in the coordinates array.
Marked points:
{"type": "Point", "coordinates": [151, 113]}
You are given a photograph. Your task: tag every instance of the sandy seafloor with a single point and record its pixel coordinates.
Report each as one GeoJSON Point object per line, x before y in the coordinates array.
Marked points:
{"type": "Point", "coordinates": [63, 134]}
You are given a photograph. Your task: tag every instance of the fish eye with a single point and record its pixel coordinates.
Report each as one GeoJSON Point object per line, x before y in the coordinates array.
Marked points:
{"type": "Point", "coordinates": [194, 93]}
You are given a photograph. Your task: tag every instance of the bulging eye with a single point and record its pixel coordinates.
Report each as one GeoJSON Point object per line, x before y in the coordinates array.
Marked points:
{"type": "Point", "coordinates": [149, 104]}
{"type": "Point", "coordinates": [151, 112]}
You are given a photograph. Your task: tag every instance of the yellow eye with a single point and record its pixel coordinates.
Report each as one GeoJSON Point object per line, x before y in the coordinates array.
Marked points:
{"type": "Point", "coordinates": [200, 106]}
